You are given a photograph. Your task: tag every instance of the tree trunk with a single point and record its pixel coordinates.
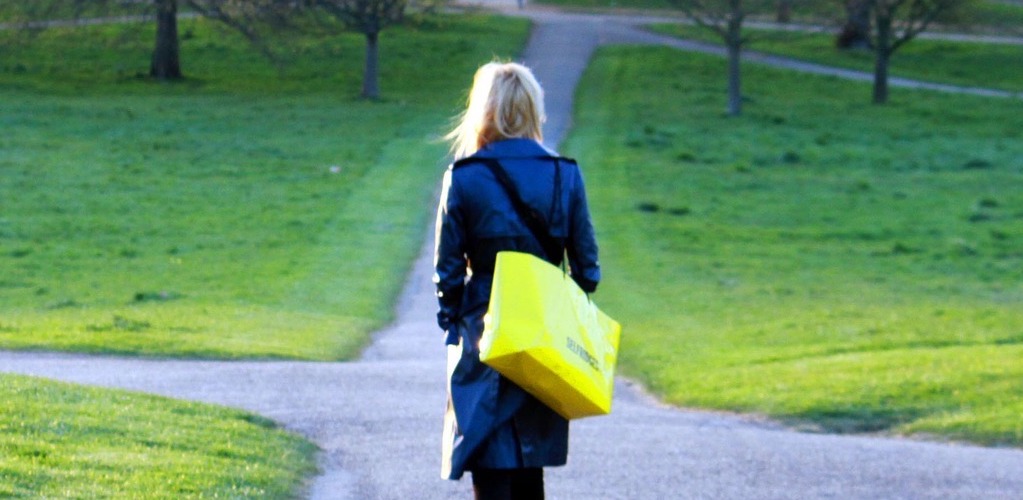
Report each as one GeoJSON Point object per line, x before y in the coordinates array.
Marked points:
{"type": "Point", "coordinates": [855, 33]}
{"type": "Point", "coordinates": [882, 55]}
{"type": "Point", "coordinates": [784, 12]}
{"type": "Point", "coordinates": [734, 45]}
{"type": "Point", "coordinates": [734, 80]}
{"type": "Point", "coordinates": [166, 64]}
{"type": "Point", "coordinates": [370, 88]}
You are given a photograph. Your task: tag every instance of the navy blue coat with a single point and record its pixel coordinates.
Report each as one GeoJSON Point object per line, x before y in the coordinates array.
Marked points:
{"type": "Point", "coordinates": [491, 422]}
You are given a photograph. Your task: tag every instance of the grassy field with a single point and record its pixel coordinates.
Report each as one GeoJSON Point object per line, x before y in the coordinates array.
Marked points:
{"type": "Point", "coordinates": [64, 441]}
{"type": "Point", "coordinates": [608, 4]}
{"type": "Point", "coordinates": [985, 65]}
{"type": "Point", "coordinates": [987, 16]}
{"type": "Point", "coordinates": [247, 212]}
{"type": "Point", "coordinates": [250, 211]}
{"type": "Point", "coordinates": [996, 16]}
{"type": "Point", "coordinates": [832, 264]}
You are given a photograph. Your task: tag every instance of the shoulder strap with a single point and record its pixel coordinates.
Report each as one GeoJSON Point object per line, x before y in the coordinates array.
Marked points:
{"type": "Point", "coordinates": [533, 219]}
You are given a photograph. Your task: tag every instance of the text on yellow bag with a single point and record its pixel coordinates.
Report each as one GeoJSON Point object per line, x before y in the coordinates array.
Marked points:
{"type": "Point", "coordinates": [543, 333]}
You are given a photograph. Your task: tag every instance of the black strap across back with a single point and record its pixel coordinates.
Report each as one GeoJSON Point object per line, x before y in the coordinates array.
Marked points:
{"type": "Point", "coordinates": [534, 220]}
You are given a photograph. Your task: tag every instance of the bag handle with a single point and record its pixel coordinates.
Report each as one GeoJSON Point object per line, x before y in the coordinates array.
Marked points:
{"type": "Point", "coordinates": [534, 220]}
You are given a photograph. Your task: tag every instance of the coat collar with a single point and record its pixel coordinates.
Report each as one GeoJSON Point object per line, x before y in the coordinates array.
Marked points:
{"type": "Point", "coordinates": [514, 148]}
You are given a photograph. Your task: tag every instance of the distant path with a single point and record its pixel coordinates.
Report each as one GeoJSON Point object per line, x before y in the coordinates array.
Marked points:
{"type": "Point", "coordinates": [628, 29]}
{"type": "Point", "coordinates": [378, 419]}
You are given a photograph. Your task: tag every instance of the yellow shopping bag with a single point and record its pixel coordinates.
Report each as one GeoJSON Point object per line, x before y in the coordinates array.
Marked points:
{"type": "Point", "coordinates": [543, 333]}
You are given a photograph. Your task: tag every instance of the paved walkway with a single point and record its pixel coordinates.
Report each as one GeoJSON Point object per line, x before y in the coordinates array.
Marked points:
{"type": "Point", "coordinates": [628, 29]}
{"type": "Point", "coordinates": [378, 419]}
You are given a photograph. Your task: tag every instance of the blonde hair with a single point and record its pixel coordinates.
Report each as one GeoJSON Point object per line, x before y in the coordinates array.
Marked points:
{"type": "Point", "coordinates": [505, 102]}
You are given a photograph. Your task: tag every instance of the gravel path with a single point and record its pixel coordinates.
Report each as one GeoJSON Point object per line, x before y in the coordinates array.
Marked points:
{"type": "Point", "coordinates": [378, 419]}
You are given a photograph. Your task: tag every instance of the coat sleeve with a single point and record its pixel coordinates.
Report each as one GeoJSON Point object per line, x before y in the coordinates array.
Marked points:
{"type": "Point", "coordinates": [581, 244]}
{"type": "Point", "coordinates": [450, 261]}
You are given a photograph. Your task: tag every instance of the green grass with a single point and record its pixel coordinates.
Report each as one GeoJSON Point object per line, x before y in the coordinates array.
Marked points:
{"type": "Point", "coordinates": [989, 16]}
{"type": "Point", "coordinates": [249, 211]}
{"type": "Point", "coordinates": [985, 65]}
{"type": "Point", "coordinates": [64, 441]}
{"type": "Point", "coordinates": [997, 15]}
{"type": "Point", "coordinates": [972, 64]}
{"type": "Point", "coordinates": [832, 264]}
{"type": "Point", "coordinates": [17, 12]}
{"type": "Point", "coordinates": [608, 4]}
{"type": "Point", "coordinates": [205, 219]}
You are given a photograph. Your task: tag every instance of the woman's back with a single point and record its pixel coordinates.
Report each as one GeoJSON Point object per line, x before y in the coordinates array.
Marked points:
{"type": "Point", "coordinates": [490, 221]}
{"type": "Point", "coordinates": [492, 427]}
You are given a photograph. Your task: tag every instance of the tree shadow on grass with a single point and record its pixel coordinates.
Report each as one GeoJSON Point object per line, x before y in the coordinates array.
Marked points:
{"type": "Point", "coordinates": [853, 420]}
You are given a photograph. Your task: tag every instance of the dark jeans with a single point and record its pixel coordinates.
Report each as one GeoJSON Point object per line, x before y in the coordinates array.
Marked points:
{"type": "Point", "coordinates": [508, 484]}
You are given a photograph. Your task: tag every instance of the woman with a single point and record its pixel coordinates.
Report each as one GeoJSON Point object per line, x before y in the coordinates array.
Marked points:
{"type": "Point", "coordinates": [492, 427]}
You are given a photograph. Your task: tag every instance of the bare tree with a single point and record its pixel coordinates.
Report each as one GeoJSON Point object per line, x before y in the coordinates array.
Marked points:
{"type": "Point", "coordinates": [855, 33]}
{"type": "Point", "coordinates": [369, 17]}
{"type": "Point", "coordinates": [251, 18]}
{"type": "Point", "coordinates": [783, 12]}
{"type": "Point", "coordinates": [725, 18]}
{"type": "Point", "coordinates": [896, 22]}
{"type": "Point", "coordinates": [247, 17]}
